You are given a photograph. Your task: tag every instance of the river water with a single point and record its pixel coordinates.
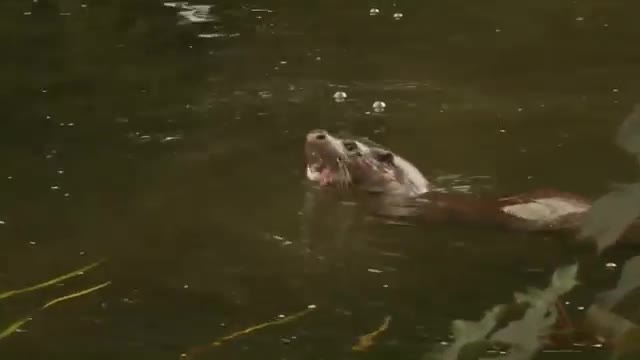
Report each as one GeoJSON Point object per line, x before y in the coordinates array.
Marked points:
{"type": "Point", "coordinates": [169, 143]}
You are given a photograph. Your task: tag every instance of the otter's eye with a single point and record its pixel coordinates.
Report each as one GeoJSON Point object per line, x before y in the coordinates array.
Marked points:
{"type": "Point", "coordinates": [350, 145]}
{"type": "Point", "coordinates": [321, 137]}
{"type": "Point", "coordinates": [385, 157]}
{"type": "Point", "coordinates": [359, 153]}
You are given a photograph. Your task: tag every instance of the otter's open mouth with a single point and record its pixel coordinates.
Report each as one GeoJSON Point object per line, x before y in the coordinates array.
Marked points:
{"type": "Point", "coordinates": [325, 175]}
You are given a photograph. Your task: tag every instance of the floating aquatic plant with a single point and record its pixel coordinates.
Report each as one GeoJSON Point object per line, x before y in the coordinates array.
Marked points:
{"type": "Point", "coordinates": [522, 337]}
{"type": "Point", "coordinates": [17, 324]}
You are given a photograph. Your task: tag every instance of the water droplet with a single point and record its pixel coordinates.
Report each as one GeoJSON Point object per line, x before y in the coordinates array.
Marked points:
{"type": "Point", "coordinates": [611, 265]}
{"type": "Point", "coordinates": [580, 308]}
{"type": "Point", "coordinates": [60, 171]}
{"type": "Point", "coordinates": [379, 106]}
{"type": "Point", "coordinates": [283, 62]}
{"type": "Point", "coordinates": [312, 306]}
{"type": "Point", "coordinates": [83, 5]}
{"type": "Point", "coordinates": [55, 187]}
{"type": "Point", "coordinates": [498, 30]}
{"type": "Point", "coordinates": [2, 222]}
{"type": "Point", "coordinates": [281, 316]}
{"type": "Point", "coordinates": [185, 286]}
{"type": "Point", "coordinates": [503, 131]}
{"type": "Point", "coordinates": [397, 16]}
{"type": "Point", "coordinates": [340, 96]}
{"type": "Point", "coordinates": [615, 90]}
{"type": "Point", "coordinates": [32, 243]}
{"type": "Point", "coordinates": [520, 109]}
{"type": "Point", "coordinates": [66, 195]}
{"type": "Point", "coordinates": [374, 12]}
{"type": "Point", "coordinates": [318, 58]}
{"type": "Point", "coordinates": [9, 177]}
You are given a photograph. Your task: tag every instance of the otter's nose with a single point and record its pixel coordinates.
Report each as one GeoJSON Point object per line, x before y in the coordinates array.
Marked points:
{"type": "Point", "coordinates": [317, 135]}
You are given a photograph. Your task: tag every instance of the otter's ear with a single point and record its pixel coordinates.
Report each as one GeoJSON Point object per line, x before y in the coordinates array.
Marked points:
{"type": "Point", "coordinates": [386, 157]}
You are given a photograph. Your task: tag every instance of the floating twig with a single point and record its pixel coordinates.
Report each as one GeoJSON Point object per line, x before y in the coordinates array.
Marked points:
{"type": "Point", "coordinates": [197, 350]}
{"type": "Point", "coordinates": [366, 341]}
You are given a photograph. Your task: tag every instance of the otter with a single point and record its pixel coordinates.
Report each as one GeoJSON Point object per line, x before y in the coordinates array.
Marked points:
{"type": "Point", "coordinates": [400, 190]}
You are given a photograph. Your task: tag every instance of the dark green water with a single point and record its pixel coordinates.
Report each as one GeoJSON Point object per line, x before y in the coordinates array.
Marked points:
{"type": "Point", "coordinates": [125, 135]}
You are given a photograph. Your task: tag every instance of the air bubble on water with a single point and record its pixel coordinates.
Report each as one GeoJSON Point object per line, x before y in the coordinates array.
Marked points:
{"type": "Point", "coordinates": [2, 222]}
{"type": "Point", "coordinates": [281, 316]}
{"type": "Point", "coordinates": [311, 306]}
{"type": "Point", "coordinates": [60, 171]}
{"type": "Point", "coordinates": [318, 58]}
{"type": "Point", "coordinates": [374, 11]}
{"type": "Point", "coordinates": [185, 286]}
{"type": "Point", "coordinates": [32, 243]}
{"type": "Point", "coordinates": [615, 90]}
{"type": "Point", "coordinates": [397, 16]}
{"type": "Point", "coordinates": [498, 30]}
{"type": "Point", "coordinates": [55, 187]}
{"type": "Point", "coordinates": [581, 308]}
{"type": "Point", "coordinates": [340, 96]}
{"type": "Point", "coordinates": [611, 265]}
{"type": "Point", "coordinates": [265, 94]}
{"type": "Point", "coordinates": [26, 13]}
{"type": "Point", "coordinates": [379, 106]}
{"type": "Point", "coordinates": [579, 18]}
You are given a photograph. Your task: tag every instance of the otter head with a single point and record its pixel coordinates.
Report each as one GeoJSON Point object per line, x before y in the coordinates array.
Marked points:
{"type": "Point", "coordinates": [326, 159]}
{"type": "Point", "coordinates": [366, 166]}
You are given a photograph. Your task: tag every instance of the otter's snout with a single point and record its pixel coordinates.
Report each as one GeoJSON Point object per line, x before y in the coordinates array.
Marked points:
{"type": "Point", "coordinates": [317, 135]}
